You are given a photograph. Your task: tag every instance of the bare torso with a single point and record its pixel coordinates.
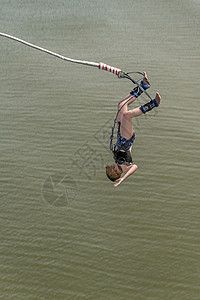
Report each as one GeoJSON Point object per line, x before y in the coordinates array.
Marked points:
{"type": "Point", "coordinates": [126, 126]}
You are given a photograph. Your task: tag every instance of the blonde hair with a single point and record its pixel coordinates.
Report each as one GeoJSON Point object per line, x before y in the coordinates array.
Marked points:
{"type": "Point", "coordinates": [112, 174]}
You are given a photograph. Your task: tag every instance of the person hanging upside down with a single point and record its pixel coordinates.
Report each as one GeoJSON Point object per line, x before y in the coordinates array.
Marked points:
{"type": "Point", "coordinates": [126, 134]}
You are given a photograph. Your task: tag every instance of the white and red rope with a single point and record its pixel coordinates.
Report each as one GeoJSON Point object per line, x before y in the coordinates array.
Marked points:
{"type": "Point", "coordinates": [100, 65]}
{"type": "Point", "coordinates": [108, 68]}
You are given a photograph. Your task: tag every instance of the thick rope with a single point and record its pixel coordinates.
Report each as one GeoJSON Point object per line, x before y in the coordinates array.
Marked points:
{"type": "Point", "coordinates": [100, 65]}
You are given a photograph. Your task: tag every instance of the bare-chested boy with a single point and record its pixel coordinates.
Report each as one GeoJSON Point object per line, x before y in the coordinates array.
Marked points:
{"type": "Point", "coordinates": [126, 134]}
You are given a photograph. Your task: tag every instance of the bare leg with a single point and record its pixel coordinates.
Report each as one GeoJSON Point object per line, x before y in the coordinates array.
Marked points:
{"type": "Point", "coordinates": [145, 79]}
{"type": "Point", "coordinates": [158, 98]}
{"type": "Point", "coordinates": [137, 111]}
{"type": "Point", "coordinates": [131, 99]}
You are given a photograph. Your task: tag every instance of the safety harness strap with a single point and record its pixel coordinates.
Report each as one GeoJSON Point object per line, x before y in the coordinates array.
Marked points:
{"type": "Point", "coordinates": [148, 106]}
{"type": "Point", "coordinates": [137, 91]}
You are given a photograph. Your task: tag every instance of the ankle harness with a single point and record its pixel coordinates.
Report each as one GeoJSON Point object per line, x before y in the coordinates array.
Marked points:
{"type": "Point", "coordinates": [137, 91]}
{"type": "Point", "coordinates": [148, 106]}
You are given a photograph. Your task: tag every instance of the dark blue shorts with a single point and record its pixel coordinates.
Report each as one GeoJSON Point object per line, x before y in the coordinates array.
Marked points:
{"type": "Point", "coordinates": [122, 141]}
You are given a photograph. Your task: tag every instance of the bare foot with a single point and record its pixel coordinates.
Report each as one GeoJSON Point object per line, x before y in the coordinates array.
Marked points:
{"type": "Point", "coordinates": [145, 79]}
{"type": "Point", "coordinates": [158, 98]}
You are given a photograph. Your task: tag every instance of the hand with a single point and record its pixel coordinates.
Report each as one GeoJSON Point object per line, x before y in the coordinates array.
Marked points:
{"type": "Point", "coordinates": [118, 181]}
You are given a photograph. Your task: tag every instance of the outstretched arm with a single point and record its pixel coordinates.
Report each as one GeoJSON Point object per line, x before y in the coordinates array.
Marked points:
{"type": "Point", "coordinates": [129, 172]}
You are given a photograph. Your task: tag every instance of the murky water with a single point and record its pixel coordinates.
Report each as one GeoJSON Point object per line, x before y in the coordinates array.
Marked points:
{"type": "Point", "coordinates": [66, 233]}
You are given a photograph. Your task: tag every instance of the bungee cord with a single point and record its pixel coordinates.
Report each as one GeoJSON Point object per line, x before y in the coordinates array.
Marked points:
{"type": "Point", "coordinates": [100, 65]}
